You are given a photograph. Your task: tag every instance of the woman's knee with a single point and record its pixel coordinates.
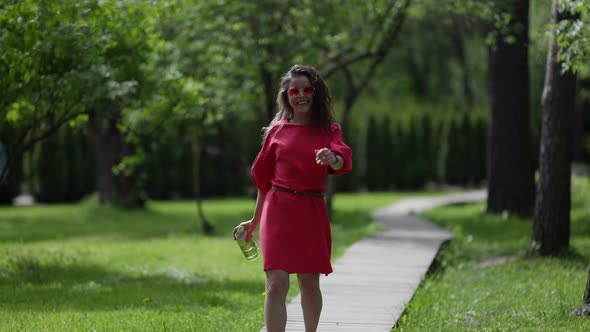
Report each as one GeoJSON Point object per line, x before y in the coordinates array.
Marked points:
{"type": "Point", "coordinates": [309, 283]}
{"type": "Point", "coordinates": [277, 282]}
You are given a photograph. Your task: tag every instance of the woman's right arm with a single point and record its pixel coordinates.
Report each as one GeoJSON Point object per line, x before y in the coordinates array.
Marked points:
{"type": "Point", "coordinates": [251, 225]}
{"type": "Point", "coordinates": [262, 173]}
{"type": "Point", "coordinates": [257, 211]}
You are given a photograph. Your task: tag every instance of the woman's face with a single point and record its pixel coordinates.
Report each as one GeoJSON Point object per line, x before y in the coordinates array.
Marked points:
{"type": "Point", "coordinates": [300, 94]}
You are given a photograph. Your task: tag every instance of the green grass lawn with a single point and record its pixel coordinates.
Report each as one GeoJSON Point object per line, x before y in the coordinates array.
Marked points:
{"type": "Point", "coordinates": [485, 282]}
{"type": "Point", "coordinates": [85, 268]}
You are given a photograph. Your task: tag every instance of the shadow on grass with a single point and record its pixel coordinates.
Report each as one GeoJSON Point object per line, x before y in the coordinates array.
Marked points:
{"type": "Point", "coordinates": [138, 224]}
{"type": "Point", "coordinates": [27, 285]}
{"type": "Point", "coordinates": [79, 221]}
{"type": "Point", "coordinates": [480, 236]}
{"type": "Point", "coordinates": [574, 256]}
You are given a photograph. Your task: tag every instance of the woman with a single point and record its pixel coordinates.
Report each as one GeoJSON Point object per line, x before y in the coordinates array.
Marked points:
{"type": "Point", "coordinates": [302, 145]}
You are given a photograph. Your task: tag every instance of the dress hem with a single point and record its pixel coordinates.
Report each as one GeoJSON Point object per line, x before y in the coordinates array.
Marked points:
{"type": "Point", "coordinates": [303, 272]}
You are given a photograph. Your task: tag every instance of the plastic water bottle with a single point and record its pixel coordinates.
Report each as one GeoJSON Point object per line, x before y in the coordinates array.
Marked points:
{"type": "Point", "coordinates": [249, 249]}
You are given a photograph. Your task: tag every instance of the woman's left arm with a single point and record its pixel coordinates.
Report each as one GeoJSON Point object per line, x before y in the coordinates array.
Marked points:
{"type": "Point", "coordinates": [341, 154]}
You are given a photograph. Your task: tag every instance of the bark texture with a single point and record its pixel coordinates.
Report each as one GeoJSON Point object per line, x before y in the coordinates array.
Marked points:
{"type": "Point", "coordinates": [551, 229]}
{"type": "Point", "coordinates": [110, 147]}
{"type": "Point", "coordinates": [510, 165]}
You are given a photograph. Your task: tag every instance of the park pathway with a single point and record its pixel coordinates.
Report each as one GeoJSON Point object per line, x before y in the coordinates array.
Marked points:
{"type": "Point", "coordinates": [377, 276]}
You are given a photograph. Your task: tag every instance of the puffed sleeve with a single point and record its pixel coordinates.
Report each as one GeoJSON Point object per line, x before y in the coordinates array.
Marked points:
{"type": "Point", "coordinates": [263, 167]}
{"type": "Point", "coordinates": [338, 146]}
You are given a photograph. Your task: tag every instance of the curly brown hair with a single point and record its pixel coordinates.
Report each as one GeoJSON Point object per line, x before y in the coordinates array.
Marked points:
{"type": "Point", "coordinates": [321, 107]}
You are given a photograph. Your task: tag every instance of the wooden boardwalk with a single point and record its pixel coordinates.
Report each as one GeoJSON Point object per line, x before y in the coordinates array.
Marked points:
{"type": "Point", "coordinates": [377, 276]}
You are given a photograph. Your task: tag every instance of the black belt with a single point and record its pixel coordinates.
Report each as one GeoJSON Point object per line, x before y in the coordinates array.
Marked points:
{"type": "Point", "coordinates": [307, 193]}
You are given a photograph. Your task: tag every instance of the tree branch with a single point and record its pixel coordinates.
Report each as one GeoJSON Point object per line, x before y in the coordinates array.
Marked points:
{"type": "Point", "coordinates": [15, 153]}
{"type": "Point", "coordinates": [387, 43]}
{"type": "Point", "coordinates": [380, 23]}
{"type": "Point", "coordinates": [340, 63]}
{"type": "Point", "coordinates": [335, 62]}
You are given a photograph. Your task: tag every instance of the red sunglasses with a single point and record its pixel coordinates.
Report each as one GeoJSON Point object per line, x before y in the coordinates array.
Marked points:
{"type": "Point", "coordinates": [294, 92]}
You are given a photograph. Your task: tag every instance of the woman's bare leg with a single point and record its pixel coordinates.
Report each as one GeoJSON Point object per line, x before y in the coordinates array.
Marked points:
{"type": "Point", "coordinates": [311, 299]}
{"type": "Point", "coordinates": [275, 309]}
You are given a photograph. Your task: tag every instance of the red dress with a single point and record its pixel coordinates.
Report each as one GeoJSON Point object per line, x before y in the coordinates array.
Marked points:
{"type": "Point", "coordinates": [295, 230]}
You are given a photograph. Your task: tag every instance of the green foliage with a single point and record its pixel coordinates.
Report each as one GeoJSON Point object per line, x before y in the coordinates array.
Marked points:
{"type": "Point", "coordinates": [63, 60]}
{"type": "Point", "coordinates": [171, 68]}
{"type": "Point", "coordinates": [209, 78]}
{"type": "Point", "coordinates": [495, 18]}
{"type": "Point", "coordinates": [466, 156]}
{"type": "Point", "coordinates": [206, 71]}
{"type": "Point", "coordinates": [169, 164]}
{"type": "Point", "coordinates": [66, 56]}
{"type": "Point", "coordinates": [428, 144]}
{"type": "Point", "coordinates": [573, 36]}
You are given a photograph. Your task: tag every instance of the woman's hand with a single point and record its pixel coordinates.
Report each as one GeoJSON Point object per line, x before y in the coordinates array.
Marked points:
{"type": "Point", "coordinates": [325, 157]}
{"type": "Point", "coordinates": [248, 227]}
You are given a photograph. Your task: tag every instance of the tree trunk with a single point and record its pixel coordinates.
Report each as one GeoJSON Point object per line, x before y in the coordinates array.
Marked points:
{"type": "Point", "coordinates": [269, 95]}
{"type": "Point", "coordinates": [11, 176]}
{"type": "Point", "coordinates": [4, 163]}
{"type": "Point", "coordinates": [354, 90]}
{"type": "Point", "coordinates": [510, 166]}
{"type": "Point", "coordinates": [352, 95]}
{"type": "Point", "coordinates": [419, 78]}
{"type": "Point", "coordinates": [206, 227]}
{"type": "Point", "coordinates": [551, 228]}
{"type": "Point", "coordinates": [331, 180]}
{"type": "Point", "coordinates": [110, 148]}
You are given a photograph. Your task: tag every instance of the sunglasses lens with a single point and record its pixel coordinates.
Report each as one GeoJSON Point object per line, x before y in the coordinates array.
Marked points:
{"type": "Point", "coordinates": [294, 92]}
